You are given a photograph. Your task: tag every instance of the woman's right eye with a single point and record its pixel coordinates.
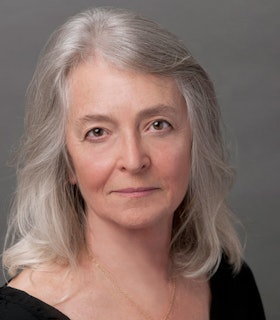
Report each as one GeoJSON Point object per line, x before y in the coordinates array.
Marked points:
{"type": "Point", "coordinates": [95, 133]}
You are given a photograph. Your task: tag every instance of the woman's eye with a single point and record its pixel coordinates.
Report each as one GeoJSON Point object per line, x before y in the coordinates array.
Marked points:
{"type": "Point", "coordinates": [160, 125]}
{"type": "Point", "coordinates": [95, 133]}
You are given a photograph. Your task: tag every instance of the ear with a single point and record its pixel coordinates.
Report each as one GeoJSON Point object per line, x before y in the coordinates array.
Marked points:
{"type": "Point", "coordinates": [73, 179]}
{"type": "Point", "coordinates": [70, 169]}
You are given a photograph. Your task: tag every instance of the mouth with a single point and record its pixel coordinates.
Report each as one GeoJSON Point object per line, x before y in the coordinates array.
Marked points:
{"type": "Point", "coordinates": [136, 192]}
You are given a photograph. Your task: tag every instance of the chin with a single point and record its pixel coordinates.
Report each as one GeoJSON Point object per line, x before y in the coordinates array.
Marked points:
{"type": "Point", "coordinates": [138, 221]}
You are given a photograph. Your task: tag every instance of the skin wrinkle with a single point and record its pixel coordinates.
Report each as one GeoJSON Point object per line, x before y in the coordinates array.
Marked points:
{"type": "Point", "coordinates": [131, 136]}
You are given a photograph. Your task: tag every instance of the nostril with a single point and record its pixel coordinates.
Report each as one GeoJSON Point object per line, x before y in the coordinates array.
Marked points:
{"type": "Point", "coordinates": [135, 164]}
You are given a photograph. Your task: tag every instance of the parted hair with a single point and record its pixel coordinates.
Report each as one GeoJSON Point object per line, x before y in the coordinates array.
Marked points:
{"type": "Point", "coordinates": [48, 216]}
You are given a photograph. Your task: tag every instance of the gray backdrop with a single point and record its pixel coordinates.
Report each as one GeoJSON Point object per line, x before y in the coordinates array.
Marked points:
{"type": "Point", "coordinates": [238, 43]}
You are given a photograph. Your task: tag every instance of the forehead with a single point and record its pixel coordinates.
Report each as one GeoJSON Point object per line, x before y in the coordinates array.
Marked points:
{"type": "Point", "coordinates": [98, 84]}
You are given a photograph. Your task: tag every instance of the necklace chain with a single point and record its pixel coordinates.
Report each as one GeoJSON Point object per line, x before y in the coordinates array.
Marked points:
{"type": "Point", "coordinates": [109, 276]}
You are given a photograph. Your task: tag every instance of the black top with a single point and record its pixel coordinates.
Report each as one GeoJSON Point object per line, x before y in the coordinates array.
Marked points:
{"type": "Point", "coordinates": [234, 297]}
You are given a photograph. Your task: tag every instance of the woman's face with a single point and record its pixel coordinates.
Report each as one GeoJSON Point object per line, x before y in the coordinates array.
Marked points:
{"type": "Point", "coordinates": [129, 139]}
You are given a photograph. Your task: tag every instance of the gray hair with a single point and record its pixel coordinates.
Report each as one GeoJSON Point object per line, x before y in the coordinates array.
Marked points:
{"type": "Point", "coordinates": [48, 214]}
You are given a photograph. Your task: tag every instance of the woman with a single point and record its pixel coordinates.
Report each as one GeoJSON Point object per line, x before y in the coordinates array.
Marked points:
{"type": "Point", "coordinates": [120, 209]}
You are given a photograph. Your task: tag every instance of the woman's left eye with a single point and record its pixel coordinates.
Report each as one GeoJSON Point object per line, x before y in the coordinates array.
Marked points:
{"type": "Point", "coordinates": [160, 125]}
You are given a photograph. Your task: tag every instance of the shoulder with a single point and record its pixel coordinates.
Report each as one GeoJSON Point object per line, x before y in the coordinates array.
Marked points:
{"type": "Point", "coordinates": [235, 295]}
{"type": "Point", "coordinates": [16, 304]}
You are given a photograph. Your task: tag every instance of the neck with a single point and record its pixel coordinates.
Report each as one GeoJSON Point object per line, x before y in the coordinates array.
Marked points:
{"type": "Point", "coordinates": [141, 253]}
{"type": "Point", "coordinates": [134, 262]}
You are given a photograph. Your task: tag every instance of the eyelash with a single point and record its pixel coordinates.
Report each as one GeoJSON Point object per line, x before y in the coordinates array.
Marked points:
{"type": "Point", "coordinates": [160, 122]}
{"type": "Point", "coordinates": [98, 133]}
{"type": "Point", "coordinates": [95, 133]}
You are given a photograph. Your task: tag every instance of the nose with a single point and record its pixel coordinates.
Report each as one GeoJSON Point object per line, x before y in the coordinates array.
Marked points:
{"type": "Point", "coordinates": [134, 157]}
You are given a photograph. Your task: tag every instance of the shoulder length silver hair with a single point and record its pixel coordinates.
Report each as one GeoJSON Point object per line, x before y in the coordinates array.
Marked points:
{"type": "Point", "coordinates": [48, 214]}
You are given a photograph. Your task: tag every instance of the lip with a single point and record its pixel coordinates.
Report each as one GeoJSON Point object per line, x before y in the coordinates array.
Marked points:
{"type": "Point", "coordinates": [136, 192]}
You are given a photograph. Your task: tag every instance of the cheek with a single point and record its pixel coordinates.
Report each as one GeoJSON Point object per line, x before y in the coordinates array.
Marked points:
{"type": "Point", "coordinates": [181, 173]}
{"type": "Point", "coordinates": [175, 166]}
{"type": "Point", "coordinates": [91, 172]}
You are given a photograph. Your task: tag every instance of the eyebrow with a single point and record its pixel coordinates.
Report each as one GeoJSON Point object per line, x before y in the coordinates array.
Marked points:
{"type": "Point", "coordinates": [93, 118]}
{"type": "Point", "coordinates": [146, 113]}
{"type": "Point", "coordinates": [156, 110]}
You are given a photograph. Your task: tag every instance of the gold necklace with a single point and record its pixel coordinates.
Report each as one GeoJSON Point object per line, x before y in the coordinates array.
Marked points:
{"type": "Point", "coordinates": [109, 276]}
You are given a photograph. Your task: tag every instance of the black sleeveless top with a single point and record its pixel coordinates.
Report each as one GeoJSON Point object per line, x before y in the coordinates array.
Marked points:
{"type": "Point", "coordinates": [234, 297]}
